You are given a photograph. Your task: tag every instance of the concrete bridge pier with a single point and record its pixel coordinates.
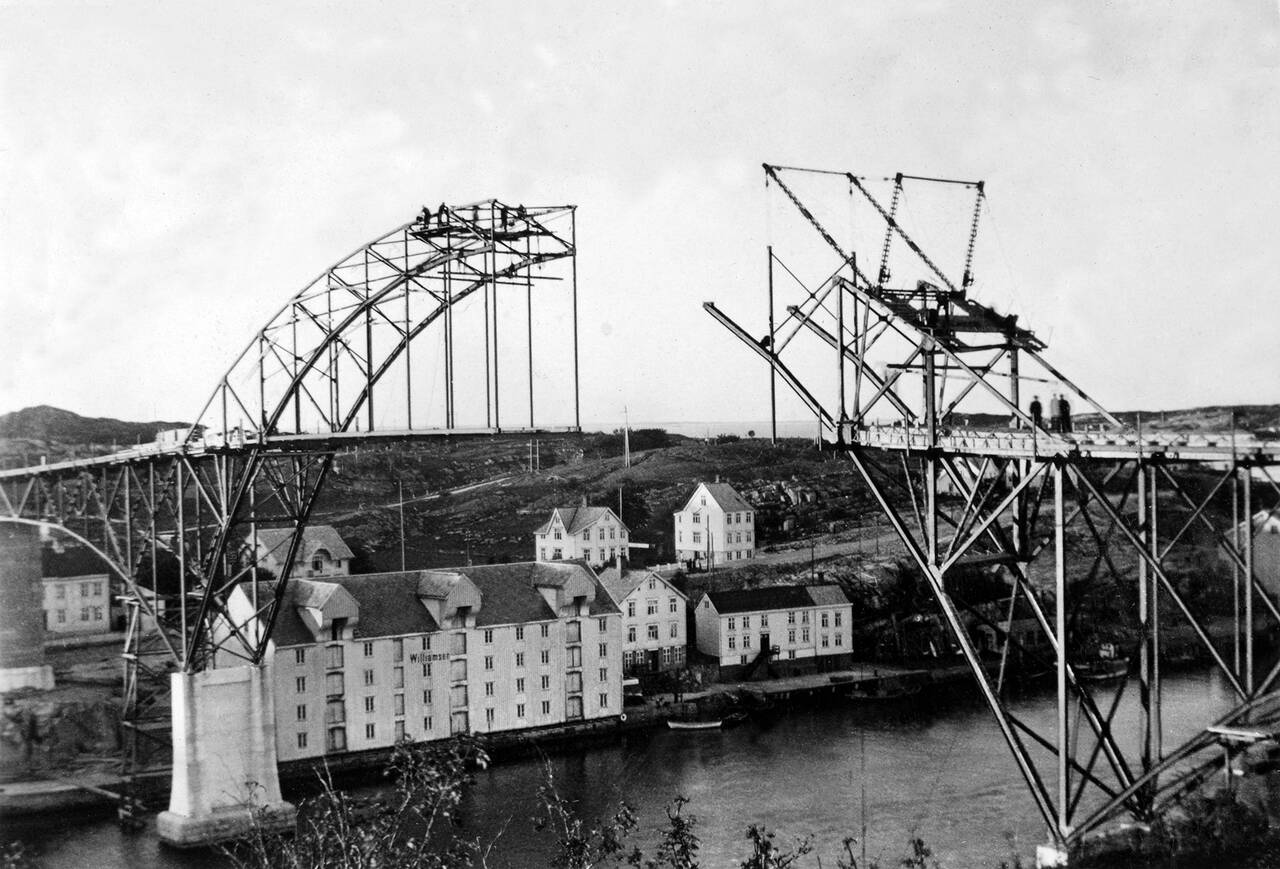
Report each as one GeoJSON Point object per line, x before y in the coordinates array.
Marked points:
{"type": "Point", "coordinates": [22, 661]}
{"type": "Point", "coordinates": [1051, 856]}
{"type": "Point", "coordinates": [224, 758]}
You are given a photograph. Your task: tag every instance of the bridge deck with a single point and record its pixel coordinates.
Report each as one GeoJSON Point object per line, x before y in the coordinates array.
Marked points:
{"type": "Point", "coordinates": [310, 442]}
{"type": "Point", "coordinates": [1203, 447]}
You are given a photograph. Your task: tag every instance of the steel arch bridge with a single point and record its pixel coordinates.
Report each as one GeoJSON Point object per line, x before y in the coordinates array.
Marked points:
{"type": "Point", "coordinates": [1055, 514]}
{"type": "Point", "coordinates": [427, 331]}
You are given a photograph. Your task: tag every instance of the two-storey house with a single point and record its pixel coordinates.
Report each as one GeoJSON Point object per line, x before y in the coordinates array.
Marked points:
{"type": "Point", "coordinates": [77, 591]}
{"type": "Point", "coordinates": [654, 618]}
{"type": "Point", "coordinates": [715, 526]}
{"type": "Point", "coordinates": [801, 628]}
{"type": "Point", "coordinates": [592, 534]}
{"type": "Point", "coordinates": [359, 661]}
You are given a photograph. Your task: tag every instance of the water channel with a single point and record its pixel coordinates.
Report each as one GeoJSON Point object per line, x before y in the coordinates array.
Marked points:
{"type": "Point", "coordinates": [935, 769]}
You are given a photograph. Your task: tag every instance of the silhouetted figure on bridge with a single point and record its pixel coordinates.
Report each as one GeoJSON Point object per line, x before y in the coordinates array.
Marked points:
{"type": "Point", "coordinates": [1064, 414]}
{"type": "Point", "coordinates": [1037, 412]}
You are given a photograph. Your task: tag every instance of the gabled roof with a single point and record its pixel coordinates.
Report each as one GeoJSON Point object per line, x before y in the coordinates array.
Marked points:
{"type": "Point", "coordinates": [275, 541]}
{"type": "Point", "coordinates": [389, 603]}
{"type": "Point", "coordinates": [70, 561]}
{"type": "Point", "coordinates": [723, 494]}
{"type": "Point", "coordinates": [575, 519]}
{"type": "Point", "coordinates": [827, 595]}
{"type": "Point", "coordinates": [620, 584]}
{"type": "Point", "coordinates": [776, 597]}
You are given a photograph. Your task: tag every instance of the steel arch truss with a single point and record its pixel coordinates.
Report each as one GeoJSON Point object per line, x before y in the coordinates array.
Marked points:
{"type": "Point", "coordinates": [1065, 522]}
{"type": "Point", "coordinates": [321, 365]}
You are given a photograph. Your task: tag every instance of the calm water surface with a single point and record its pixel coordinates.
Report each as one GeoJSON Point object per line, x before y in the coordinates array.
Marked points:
{"type": "Point", "coordinates": [938, 771]}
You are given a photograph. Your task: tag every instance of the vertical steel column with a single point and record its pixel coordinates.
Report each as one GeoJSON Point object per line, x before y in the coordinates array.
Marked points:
{"type": "Point", "coordinates": [1022, 534]}
{"type": "Point", "coordinates": [841, 413]}
{"type": "Point", "coordinates": [1247, 504]}
{"type": "Point", "coordinates": [492, 278]}
{"type": "Point", "coordinates": [1235, 566]}
{"type": "Point", "coordinates": [1060, 627]}
{"type": "Point", "coordinates": [448, 346]}
{"type": "Point", "coordinates": [1157, 726]}
{"type": "Point", "coordinates": [573, 240]}
{"type": "Point", "coordinates": [1146, 646]}
{"type": "Point", "coordinates": [293, 353]}
{"type": "Point", "coordinates": [931, 460]}
{"type": "Point", "coordinates": [488, 373]}
{"type": "Point", "coordinates": [528, 308]}
{"type": "Point", "coordinates": [262, 386]}
{"type": "Point", "coordinates": [368, 348]}
{"type": "Point", "coordinates": [408, 359]}
{"type": "Point", "coordinates": [182, 549]}
{"type": "Point", "coordinates": [773, 372]}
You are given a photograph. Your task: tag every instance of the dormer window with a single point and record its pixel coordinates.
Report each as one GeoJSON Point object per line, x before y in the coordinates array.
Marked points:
{"type": "Point", "coordinates": [337, 628]}
{"type": "Point", "coordinates": [318, 559]}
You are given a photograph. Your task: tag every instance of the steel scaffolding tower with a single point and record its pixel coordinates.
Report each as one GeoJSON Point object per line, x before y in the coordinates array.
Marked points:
{"type": "Point", "coordinates": [1055, 513]}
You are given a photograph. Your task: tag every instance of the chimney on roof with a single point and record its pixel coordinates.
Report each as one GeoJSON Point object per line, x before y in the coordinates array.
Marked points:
{"type": "Point", "coordinates": [584, 499]}
{"type": "Point", "coordinates": [717, 478]}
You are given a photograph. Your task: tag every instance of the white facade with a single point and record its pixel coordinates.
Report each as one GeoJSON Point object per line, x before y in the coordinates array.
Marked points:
{"type": "Point", "coordinates": [77, 604]}
{"type": "Point", "coordinates": [654, 620]}
{"type": "Point", "coordinates": [592, 534]}
{"type": "Point", "coordinates": [802, 622]}
{"type": "Point", "coordinates": [715, 527]}
{"type": "Point", "coordinates": [341, 684]}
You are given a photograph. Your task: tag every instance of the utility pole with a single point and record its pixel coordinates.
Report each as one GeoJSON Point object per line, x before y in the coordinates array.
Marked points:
{"type": "Point", "coordinates": [626, 447]}
{"type": "Point", "coordinates": [400, 485]}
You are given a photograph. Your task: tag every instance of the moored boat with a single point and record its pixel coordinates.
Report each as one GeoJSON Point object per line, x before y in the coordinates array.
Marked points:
{"type": "Point", "coordinates": [709, 724]}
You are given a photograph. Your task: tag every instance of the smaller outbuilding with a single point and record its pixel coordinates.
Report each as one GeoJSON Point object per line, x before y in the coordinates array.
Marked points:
{"type": "Point", "coordinates": [797, 628]}
{"type": "Point", "coordinates": [322, 551]}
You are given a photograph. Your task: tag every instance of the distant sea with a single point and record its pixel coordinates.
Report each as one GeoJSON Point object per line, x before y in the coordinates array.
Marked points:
{"type": "Point", "coordinates": [790, 428]}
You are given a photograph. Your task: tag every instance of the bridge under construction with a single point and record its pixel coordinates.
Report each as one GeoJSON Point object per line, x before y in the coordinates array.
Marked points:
{"type": "Point", "coordinates": [426, 332]}
{"type": "Point", "coordinates": [894, 358]}
{"type": "Point", "coordinates": [905, 357]}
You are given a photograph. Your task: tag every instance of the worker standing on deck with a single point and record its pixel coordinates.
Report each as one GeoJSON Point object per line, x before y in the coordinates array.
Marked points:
{"type": "Point", "coordinates": [1064, 414]}
{"type": "Point", "coordinates": [1037, 412]}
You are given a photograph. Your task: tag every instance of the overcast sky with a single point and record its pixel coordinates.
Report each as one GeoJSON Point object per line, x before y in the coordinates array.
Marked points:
{"type": "Point", "coordinates": [170, 174]}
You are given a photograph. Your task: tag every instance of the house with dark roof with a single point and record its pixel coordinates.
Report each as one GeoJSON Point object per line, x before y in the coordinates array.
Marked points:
{"type": "Point", "coordinates": [77, 591]}
{"type": "Point", "coordinates": [593, 534]}
{"type": "Point", "coordinates": [654, 618]}
{"type": "Point", "coordinates": [796, 628]}
{"type": "Point", "coordinates": [716, 526]}
{"type": "Point", "coordinates": [360, 661]}
{"type": "Point", "coordinates": [321, 552]}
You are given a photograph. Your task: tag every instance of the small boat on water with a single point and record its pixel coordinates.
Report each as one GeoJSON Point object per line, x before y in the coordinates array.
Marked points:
{"type": "Point", "coordinates": [709, 724]}
{"type": "Point", "coordinates": [1102, 670]}
{"type": "Point", "coordinates": [734, 718]}
{"type": "Point", "coordinates": [884, 689]}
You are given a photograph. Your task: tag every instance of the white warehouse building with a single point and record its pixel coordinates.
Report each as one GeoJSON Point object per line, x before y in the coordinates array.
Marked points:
{"type": "Point", "coordinates": [360, 661]}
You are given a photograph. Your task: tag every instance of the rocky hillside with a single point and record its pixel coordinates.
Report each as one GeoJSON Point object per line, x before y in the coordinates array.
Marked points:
{"type": "Point", "coordinates": [28, 434]}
